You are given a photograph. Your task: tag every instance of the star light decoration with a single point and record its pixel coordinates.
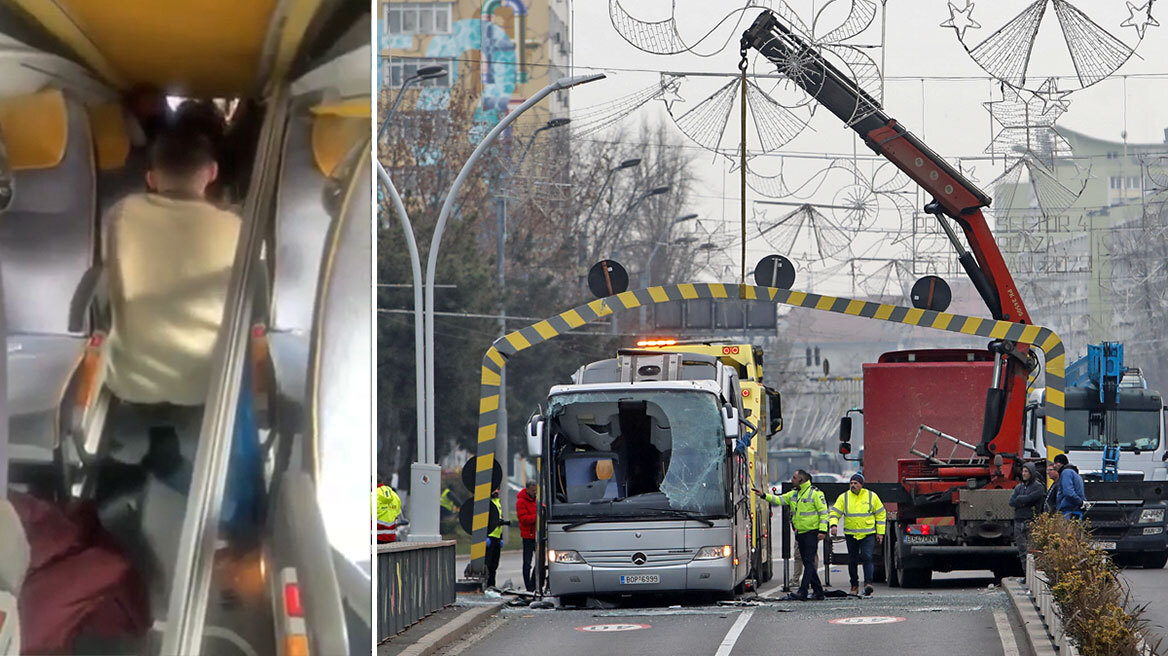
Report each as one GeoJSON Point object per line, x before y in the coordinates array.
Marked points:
{"type": "Point", "coordinates": [1140, 18]}
{"type": "Point", "coordinates": [1095, 51]}
{"type": "Point", "coordinates": [1027, 121]}
{"type": "Point", "coordinates": [670, 85]}
{"type": "Point", "coordinates": [961, 19]}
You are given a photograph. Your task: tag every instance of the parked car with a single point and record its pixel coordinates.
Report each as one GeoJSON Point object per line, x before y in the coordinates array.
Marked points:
{"type": "Point", "coordinates": [828, 478]}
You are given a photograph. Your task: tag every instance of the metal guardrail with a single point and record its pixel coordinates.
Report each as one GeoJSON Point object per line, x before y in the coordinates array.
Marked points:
{"type": "Point", "coordinates": [414, 579]}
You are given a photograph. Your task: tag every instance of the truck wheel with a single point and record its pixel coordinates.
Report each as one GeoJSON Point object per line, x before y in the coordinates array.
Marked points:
{"type": "Point", "coordinates": [914, 577]}
{"type": "Point", "coordinates": [768, 566]}
{"type": "Point", "coordinates": [890, 561]}
{"type": "Point", "coordinates": [1154, 559]}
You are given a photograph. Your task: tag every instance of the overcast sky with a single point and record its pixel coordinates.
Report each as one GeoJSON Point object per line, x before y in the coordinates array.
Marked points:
{"type": "Point", "coordinates": [947, 114]}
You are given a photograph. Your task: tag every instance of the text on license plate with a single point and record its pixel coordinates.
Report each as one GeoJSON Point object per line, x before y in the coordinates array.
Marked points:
{"type": "Point", "coordinates": [920, 539]}
{"type": "Point", "coordinates": [1103, 545]}
{"type": "Point", "coordinates": [640, 578]}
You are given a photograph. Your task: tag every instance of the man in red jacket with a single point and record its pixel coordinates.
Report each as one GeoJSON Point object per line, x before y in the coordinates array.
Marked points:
{"type": "Point", "coordinates": [525, 509]}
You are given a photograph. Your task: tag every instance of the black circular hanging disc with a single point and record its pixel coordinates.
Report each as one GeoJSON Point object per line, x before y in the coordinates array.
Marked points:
{"type": "Point", "coordinates": [468, 475]}
{"type": "Point", "coordinates": [607, 277]}
{"type": "Point", "coordinates": [931, 293]}
{"type": "Point", "coordinates": [774, 271]}
{"type": "Point", "coordinates": [466, 516]}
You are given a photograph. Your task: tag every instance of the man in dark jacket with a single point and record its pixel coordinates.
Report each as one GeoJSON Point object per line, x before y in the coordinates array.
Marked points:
{"type": "Point", "coordinates": [1052, 491]}
{"type": "Point", "coordinates": [525, 509]}
{"type": "Point", "coordinates": [1026, 500]}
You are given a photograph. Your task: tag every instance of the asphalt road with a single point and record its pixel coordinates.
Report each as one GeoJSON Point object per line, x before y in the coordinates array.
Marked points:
{"type": "Point", "coordinates": [1150, 587]}
{"type": "Point", "coordinates": [961, 613]}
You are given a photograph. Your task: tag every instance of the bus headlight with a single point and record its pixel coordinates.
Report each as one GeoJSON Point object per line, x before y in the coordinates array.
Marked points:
{"type": "Point", "coordinates": [1152, 516]}
{"type": "Point", "coordinates": [710, 553]}
{"type": "Point", "coordinates": [566, 556]}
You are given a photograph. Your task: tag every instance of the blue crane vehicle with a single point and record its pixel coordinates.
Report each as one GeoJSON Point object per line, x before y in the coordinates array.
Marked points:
{"type": "Point", "coordinates": [1111, 412]}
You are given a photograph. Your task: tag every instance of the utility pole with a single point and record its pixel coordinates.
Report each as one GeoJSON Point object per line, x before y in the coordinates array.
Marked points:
{"type": "Point", "coordinates": [503, 451]}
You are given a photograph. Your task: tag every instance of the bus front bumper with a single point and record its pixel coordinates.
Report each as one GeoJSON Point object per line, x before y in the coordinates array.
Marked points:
{"type": "Point", "coordinates": [582, 578]}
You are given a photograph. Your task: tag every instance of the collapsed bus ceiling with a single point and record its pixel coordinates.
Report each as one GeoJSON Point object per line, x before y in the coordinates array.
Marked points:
{"type": "Point", "coordinates": [200, 48]}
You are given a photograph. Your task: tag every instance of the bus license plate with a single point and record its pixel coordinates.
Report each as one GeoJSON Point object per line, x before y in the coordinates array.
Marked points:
{"type": "Point", "coordinates": [920, 539]}
{"type": "Point", "coordinates": [1106, 546]}
{"type": "Point", "coordinates": [640, 578]}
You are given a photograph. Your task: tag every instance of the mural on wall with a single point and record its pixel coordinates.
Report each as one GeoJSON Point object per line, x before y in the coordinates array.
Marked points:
{"type": "Point", "coordinates": [503, 62]}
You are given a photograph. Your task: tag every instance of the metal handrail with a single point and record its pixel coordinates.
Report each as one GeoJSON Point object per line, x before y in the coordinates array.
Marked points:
{"type": "Point", "coordinates": [931, 456]}
{"type": "Point", "coordinates": [190, 587]}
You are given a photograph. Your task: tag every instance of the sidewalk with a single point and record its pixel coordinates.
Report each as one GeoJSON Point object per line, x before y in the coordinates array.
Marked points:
{"type": "Point", "coordinates": [510, 567]}
{"type": "Point", "coordinates": [442, 627]}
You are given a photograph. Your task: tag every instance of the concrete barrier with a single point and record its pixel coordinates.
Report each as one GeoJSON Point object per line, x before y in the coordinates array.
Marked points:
{"type": "Point", "coordinates": [414, 579]}
{"type": "Point", "coordinates": [1039, 588]}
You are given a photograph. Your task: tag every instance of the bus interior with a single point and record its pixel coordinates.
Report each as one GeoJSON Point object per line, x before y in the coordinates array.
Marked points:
{"type": "Point", "coordinates": [247, 531]}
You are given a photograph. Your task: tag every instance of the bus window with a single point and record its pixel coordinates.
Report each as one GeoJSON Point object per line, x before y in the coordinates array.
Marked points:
{"type": "Point", "coordinates": [662, 450]}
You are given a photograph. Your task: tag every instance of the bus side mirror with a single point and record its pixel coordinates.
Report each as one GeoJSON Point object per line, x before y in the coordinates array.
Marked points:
{"type": "Point", "coordinates": [730, 421]}
{"type": "Point", "coordinates": [535, 429]}
{"type": "Point", "coordinates": [776, 411]}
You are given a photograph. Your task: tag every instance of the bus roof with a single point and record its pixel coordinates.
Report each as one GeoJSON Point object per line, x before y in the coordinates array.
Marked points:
{"type": "Point", "coordinates": [202, 48]}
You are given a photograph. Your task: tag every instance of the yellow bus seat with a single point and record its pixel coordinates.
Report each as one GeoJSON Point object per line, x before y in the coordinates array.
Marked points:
{"type": "Point", "coordinates": [314, 145]}
{"type": "Point", "coordinates": [603, 469]}
{"type": "Point", "coordinates": [121, 164]}
{"type": "Point", "coordinates": [47, 246]}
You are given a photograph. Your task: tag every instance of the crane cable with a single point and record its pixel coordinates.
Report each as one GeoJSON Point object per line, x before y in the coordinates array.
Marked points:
{"type": "Point", "coordinates": [742, 65]}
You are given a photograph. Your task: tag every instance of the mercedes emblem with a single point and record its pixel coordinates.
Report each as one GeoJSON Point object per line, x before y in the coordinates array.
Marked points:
{"type": "Point", "coordinates": [639, 558]}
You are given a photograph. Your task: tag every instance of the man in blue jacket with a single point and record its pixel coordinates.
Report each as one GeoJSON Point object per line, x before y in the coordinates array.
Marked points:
{"type": "Point", "coordinates": [1070, 488]}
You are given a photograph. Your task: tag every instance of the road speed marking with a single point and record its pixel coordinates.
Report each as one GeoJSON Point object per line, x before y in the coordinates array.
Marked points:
{"type": "Point", "coordinates": [610, 628]}
{"type": "Point", "coordinates": [878, 619]}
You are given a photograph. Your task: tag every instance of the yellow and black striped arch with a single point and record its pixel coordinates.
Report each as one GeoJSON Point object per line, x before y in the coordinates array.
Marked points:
{"type": "Point", "coordinates": [506, 346]}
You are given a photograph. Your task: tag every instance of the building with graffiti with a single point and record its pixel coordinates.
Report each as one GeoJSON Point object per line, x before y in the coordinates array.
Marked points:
{"type": "Point", "coordinates": [500, 51]}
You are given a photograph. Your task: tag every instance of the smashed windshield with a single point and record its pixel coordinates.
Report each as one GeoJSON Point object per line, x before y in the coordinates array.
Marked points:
{"type": "Point", "coordinates": [637, 453]}
{"type": "Point", "coordinates": [1136, 430]}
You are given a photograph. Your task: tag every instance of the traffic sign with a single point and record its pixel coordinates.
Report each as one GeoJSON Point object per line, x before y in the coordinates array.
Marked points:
{"type": "Point", "coordinates": [466, 517]}
{"type": "Point", "coordinates": [931, 293]}
{"type": "Point", "coordinates": [468, 474]}
{"type": "Point", "coordinates": [775, 271]}
{"type": "Point", "coordinates": [878, 619]}
{"type": "Point", "coordinates": [607, 277]}
{"type": "Point", "coordinates": [611, 628]}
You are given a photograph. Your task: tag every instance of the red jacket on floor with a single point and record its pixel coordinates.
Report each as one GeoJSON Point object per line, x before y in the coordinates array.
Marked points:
{"type": "Point", "coordinates": [525, 508]}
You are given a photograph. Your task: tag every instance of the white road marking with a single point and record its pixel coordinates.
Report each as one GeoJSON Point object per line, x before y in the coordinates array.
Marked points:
{"type": "Point", "coordinates": [727, 645]}
{"type": "Point", "coordinates": [1009, 644]}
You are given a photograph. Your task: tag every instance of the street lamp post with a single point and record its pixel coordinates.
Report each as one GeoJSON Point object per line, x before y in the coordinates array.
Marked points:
{"type": "Point", "coordinates": [503, 449]}
{"type": "Point", "coordinates": [583, 235]}
{"type": "Point", "coordinates": [647, 272]}
{"type": "Point", "coordinates": [655, 191]}
{"type": "Point", "coordinates": [432, 492]}
{"type": "Point", "coordinates": [423, 73]}
{"type": "Point", "coordinates": [419, 361]}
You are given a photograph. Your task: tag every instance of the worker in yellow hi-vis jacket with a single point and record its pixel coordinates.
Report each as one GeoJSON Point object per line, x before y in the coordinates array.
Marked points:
{"type": "Point", "coordinates": [809, 517]}
{"type": "Point", "coordinates": [864, 519]}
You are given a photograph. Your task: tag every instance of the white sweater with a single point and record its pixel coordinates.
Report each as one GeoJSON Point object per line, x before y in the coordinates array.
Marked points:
{"type": "Point", "coordinates": [169, 264]}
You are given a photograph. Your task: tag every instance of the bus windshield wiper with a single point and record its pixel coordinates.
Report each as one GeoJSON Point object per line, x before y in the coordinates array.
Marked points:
{"type": "Point", "coordinates": [686, 514]}
{"type": "Point", "coordinates": [593, 502]}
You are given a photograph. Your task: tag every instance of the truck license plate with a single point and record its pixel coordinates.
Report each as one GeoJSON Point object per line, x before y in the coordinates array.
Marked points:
{"type": "Point", "coordinates": [640, 578]}
{"type": "Point", "coordinates": [1106, 546]}
{"type": "Point", "coordinates": [920, 539]}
